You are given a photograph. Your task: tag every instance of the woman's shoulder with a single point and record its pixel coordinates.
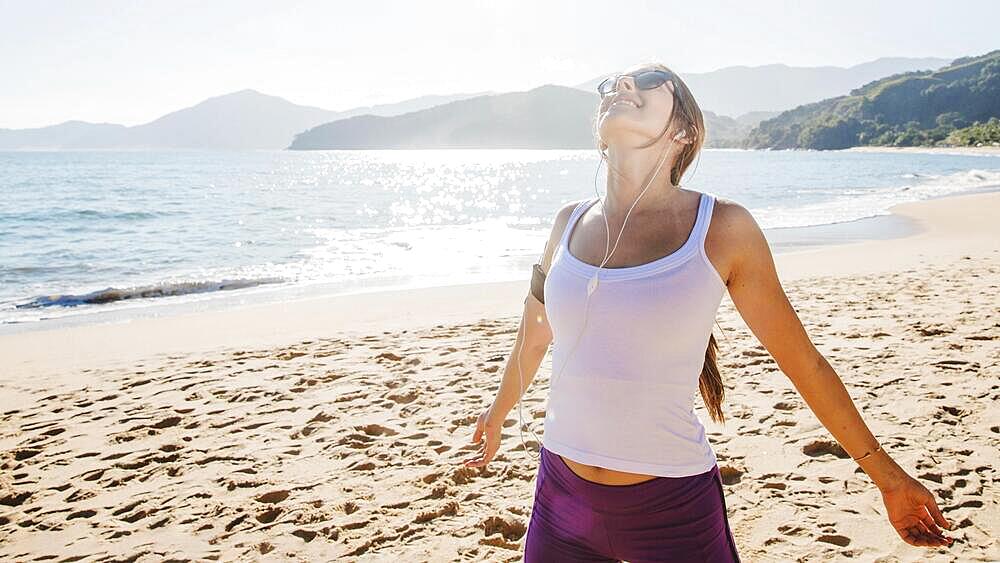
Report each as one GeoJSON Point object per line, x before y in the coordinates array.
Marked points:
{"type": "Point", "coordinates": [731, 213]}
{"type": "Point", "coordinates": [724, 210]}
{"type": "Point", "coordinates": [733, 235]}
{"type": "Point", "coordinates": [559, 223]}
{"type": "Point", "coordinates": [566, 210]}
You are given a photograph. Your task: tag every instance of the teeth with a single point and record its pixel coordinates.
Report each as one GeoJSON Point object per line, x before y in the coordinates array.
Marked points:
{"type": "Point", "coordinates": [626, 102]}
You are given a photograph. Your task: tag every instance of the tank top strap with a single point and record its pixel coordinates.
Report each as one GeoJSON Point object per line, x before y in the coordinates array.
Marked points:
{"type": "Point", "coordinates": [577, 212]}
{"type": "Point", "coordinates": [705, 207]}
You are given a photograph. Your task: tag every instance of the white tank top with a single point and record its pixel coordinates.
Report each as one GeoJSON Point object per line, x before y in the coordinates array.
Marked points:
{"type": "Point", "coordinates": [625, 401]}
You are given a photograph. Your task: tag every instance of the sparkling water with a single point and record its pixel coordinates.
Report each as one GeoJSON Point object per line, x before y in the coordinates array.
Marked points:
{"type": "Point", "coordinates": [88, 230]}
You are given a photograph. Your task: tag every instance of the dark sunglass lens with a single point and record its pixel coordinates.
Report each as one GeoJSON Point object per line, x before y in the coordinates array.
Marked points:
{"type": "Point", "coordinates": [651, 79]}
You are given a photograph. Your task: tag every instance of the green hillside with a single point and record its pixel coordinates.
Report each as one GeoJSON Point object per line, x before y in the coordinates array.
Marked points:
{"type": "Point", "coordinates": [908, 109]}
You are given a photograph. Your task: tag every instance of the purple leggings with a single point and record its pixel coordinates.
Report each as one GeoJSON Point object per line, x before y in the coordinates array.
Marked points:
{"type": "Point", "coordinates": [663, 519]}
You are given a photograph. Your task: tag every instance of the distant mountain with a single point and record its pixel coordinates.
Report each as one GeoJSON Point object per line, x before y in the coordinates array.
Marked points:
{"type": "Point", "coordinates": [547, 117]}
{"type": "Point", "coordinates": [407, 106]}
{"type": "Point", "coordinates": [751, 119]}
{"type": "Point", "coordinates": [726, 132]}
{"type": "Point", "coordinates": [737, 90]}
{"type": "Point", "coordinates": [241, 120]}
{"type": "Point", "coordinates": [69, 135]}
{"type": "Point", "coordinates": [912, 108]}
{"type": "Point", "coordinates": [251, 120]}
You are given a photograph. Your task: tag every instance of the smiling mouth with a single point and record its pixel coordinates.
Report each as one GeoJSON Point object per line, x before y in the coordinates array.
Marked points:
{"type": "Point", "coordinates": [623, 103]}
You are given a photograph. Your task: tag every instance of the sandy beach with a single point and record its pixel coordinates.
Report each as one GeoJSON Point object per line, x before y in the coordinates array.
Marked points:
{"type": "Point", "coordinates": [333, 428]}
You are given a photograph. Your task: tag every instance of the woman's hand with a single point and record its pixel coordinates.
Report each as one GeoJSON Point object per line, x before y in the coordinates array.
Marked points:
{"type": "Point", "coordinates": [485, 427]}
{"type": "Point", "coordinates": [914, 514]}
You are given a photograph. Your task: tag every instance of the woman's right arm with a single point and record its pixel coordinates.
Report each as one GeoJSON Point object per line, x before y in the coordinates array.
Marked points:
{"type": "Point", "coordinates": [533, 338]}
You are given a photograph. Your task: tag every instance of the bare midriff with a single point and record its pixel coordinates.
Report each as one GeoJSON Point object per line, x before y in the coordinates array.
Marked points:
{"type": "Point", "coordinates": [605, 476]}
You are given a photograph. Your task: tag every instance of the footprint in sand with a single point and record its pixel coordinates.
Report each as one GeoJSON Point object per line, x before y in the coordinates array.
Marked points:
{"type": "Point", "coordinates": [449, 509]}
{"type": "Point", "coordinates": [431, 477]}
{"type": "Point", "coordinates": [356, 441]}
{"type": "Point", "coordinates": [404, 398]}
{"type": "Point", "coordinates": [730, 475]}
{"type": "Point", "coordinates": [376, 430]}
{"type": "Point", "coordinates": [464, 475]}
{"type": "Point", "coordinates": [388, 356]}
{"type": "Point", "coordinates": [79, 494]}
{"type": "Point", "coordinates": [289, 355]}
{"type": "Point", "coordinates": [932, 329]}
{"type": "Point", "coordinates": [315, 422]}
{"type": "Point", "coordinates": [306, 535]}
{"type": "Point", "coordinates": [508, 532]}
{"type": "Point", "coordinates": [835, 539]}
{"type": "Point", "coordinates": [819, 448]}
{"type": "Point", "coordinates": [268, 515]}
{"type": "Point", "coordinates": [273, 497]}
{"type": "Point", "coordinates": [82, 514]}
{"type": "Point", "coordinates": [363, 466]}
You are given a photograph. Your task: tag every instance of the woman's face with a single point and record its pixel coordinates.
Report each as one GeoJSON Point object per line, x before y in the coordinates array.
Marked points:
{"type": "Point", "coordinates": [632, 117]}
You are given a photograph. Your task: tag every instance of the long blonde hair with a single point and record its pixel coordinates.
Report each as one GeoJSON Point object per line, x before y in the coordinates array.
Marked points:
{"type": "Point", "coordinates": [687, 116]}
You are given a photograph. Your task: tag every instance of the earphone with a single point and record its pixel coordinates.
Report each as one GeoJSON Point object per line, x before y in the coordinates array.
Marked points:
{"type": "Point", "coordinates": [591, 288]}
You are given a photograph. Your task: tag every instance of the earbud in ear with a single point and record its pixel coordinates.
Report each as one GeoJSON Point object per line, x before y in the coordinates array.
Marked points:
{"type": "Point", "coordinates": [679, 136]}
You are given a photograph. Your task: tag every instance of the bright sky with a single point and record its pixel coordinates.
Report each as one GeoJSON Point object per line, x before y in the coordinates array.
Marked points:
{"type": "Point", "coordinates": [130, 62]}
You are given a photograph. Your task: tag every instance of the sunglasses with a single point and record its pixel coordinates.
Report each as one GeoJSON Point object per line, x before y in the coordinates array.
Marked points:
{"type": "Point", "coordinates": [644, 80]}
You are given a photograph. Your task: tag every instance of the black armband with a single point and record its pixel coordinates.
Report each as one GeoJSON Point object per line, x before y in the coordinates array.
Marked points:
{"type": "Point", "coordinates": [538, 283]}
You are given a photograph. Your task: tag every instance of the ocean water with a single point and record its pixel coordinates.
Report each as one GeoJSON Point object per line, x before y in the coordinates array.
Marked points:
{"type": "Point", "coordinates": [86, 231]}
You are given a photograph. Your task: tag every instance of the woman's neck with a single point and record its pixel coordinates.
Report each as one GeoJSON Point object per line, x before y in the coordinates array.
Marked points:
{"type": "Point", "coordinates": [629, 173]}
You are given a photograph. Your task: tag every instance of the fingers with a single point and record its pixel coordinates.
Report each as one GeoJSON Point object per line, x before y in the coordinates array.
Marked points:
{"type": "Point", "coordinates": [931, 526]}
{"type": "Point", "coordinates": [478, 434]}
{"type": "Point", "coordinates": [914, 536]}
{"type": "Point", "coordinates": [479, 451]}
{"type": "Point", "coordinates": [474, 461]}
{"type": "Point", "coordinates": [919, 535]}
{"type": "Point", "coordinates": [932, 507]}
{"type": "Point", "coordinates": [930, 529]}
{"type": "Point", "coordinates": [935, 533]}
{"type": "Point", "coordinates": [477, 462]}
{"type": "Point", "coordinates": [484, 453]}
{"type": "Point", "coordinates": [481, 458]}
{"type": "Point", "coordinates": [931, 517]}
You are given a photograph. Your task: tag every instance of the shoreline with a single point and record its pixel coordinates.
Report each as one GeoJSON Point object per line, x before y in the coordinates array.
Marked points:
{"type": "Point", "coordinates": [782, 240]}
{"type": "Point", "coordinates": [982, 151]}
{"type": "Point", "coordinates": [73, 296]}
{"type": "Point", "coordinates": [937, 226]}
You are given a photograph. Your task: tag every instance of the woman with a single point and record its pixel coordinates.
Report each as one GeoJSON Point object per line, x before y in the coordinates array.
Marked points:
{"type": "Point", "coordinates": [626, 472]}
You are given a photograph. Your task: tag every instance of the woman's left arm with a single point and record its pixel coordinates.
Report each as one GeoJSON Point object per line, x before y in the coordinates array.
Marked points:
{"type": "Point", "coordinates": [758, 296]}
